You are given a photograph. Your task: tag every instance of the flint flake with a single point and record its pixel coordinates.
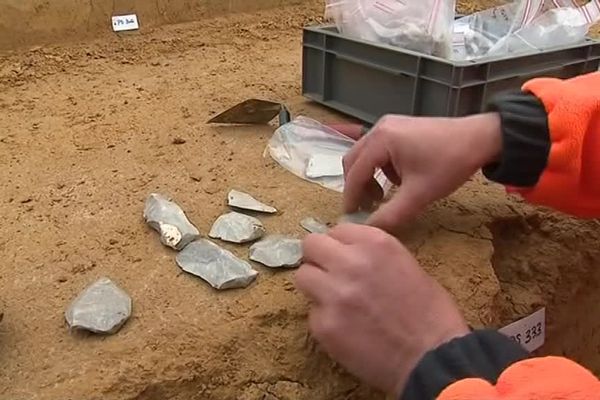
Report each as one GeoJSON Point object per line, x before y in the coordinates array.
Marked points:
{"type": "Point", "coordinates": [277, 251]}
{"type": "Point", "coordinates": [244, 201]}
{"type": "Point", "coordinates": [359, 217]}
{"type": "Point", "coordinates": [217, 266]}
{"type": "Point", "coordinates": [168, 219]}
{"type": "Point", "coordinates": [237, 228]}
{"type": "Point", "coordinates": [101, 308]}
{"type": "Point", "coordinates": [313, 225]}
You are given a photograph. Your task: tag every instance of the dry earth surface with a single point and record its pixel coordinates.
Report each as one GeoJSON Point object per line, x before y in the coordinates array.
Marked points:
{"type": "Point", "coordinates": [87, 131]}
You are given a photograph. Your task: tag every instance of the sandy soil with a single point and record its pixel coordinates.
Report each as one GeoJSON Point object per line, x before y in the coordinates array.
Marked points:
{"type": "Point", "coordinates": [31, 22]}
{"type": "Point", "coordinates": [27, 23]}
{"type": "Point", "coordinates": [87, 132]}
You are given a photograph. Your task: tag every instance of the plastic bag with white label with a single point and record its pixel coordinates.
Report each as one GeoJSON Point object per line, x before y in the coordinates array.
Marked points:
{"type": "Point", "coordinates": [420, 25]}
{"type": "Point", "coordinates": [314, 152]}
{"type": "Point", "coordinates": [522, 26]}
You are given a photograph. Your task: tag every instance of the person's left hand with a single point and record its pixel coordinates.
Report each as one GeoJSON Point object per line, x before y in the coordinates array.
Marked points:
{"type": "Point", "coordinates": [373, 308]}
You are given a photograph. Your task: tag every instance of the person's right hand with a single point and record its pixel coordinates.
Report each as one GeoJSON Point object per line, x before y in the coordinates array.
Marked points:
{"type": "Point", "coordinates": [373, 308]}
{"type": "Point", "coordinates": [427, 158]}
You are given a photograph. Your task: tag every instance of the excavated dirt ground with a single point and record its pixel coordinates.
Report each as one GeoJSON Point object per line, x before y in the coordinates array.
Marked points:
{"type": "Point", "coordinates": [87, 131]}
{"type": "Point", "coordinates": [28, 22]}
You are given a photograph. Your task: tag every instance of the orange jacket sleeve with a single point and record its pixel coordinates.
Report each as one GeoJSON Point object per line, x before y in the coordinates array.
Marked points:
{"type": "Point", "coordinates": [549, 378]}
{"type": "Point", "coordinates": [486, 365]}
{"type": "Point", "coordinates": [570, 182]}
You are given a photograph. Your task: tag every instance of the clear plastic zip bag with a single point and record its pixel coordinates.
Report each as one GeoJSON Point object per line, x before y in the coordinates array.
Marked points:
{"type": "Point", "coordinates": [523, 26]}
{"type": "Point", "coordinates": [314, 152]}
{"type": "Point", "coordinates": [424, 26]}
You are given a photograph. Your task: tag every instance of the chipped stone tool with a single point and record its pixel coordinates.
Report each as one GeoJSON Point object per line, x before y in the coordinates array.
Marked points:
{"type": "Point", "coordinates": [217, 266]}
{"type": "Point", "coordinates": [168, 219]}
{"type": "Point", "coordinates": [101, 308]}
{"type": "Point", "coordinates": [313, 225]}
{"type": "Point", "coordinates": [277, 251]}
{"type": "Point", "coordinates": [237, 228]}
{"type": "Point", "coordinates": [359, 217]}
{"type": "Point", "coordinates": [244, 201]}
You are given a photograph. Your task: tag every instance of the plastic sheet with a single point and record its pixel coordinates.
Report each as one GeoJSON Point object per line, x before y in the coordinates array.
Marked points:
{"type": "Point", "coordinates": [419, 25]}
{"type": "Point", "coordinates": [522, 26]}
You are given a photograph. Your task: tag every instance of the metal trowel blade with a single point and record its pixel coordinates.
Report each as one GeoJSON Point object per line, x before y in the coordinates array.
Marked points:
{"type": "Point", "coordinates": [252, 111]}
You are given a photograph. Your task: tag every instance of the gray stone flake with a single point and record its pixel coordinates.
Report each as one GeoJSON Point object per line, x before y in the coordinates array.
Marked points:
{"type": "Point", "coordinates": [237, 228]}
{"type": "Point", "coordinates": [313, 225]}
{"type": "Point", "coordinates": [217, 266]}
{"type": "Point", "coordinates": [359, 217]}
{"type": "Point", "coordinates": [277, 251]}
{"type": "Point", "coordinates": [101, 308]}
{"type": "Point", "coordinates": [169, 220]}
{"type": "Point", "coordinates": [244, 201]}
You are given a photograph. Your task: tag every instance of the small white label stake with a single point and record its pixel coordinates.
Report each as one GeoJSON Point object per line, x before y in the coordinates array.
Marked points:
{"type": "Point", "coordinates": [125, 23]}
{"type": "Point", "coordinates": [529, 332]}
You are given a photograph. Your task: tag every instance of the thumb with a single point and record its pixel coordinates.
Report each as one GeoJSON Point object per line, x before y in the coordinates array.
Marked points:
{"type": "Point", "coordinates": [353, 131]}
{"type": "Point", "coordinates": [406, 204]}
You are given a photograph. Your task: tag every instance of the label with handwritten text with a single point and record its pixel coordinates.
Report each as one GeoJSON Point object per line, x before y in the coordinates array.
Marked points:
{"type": "Point", "coordinates": [529, 332]}
{"type": "Point", "coordinates": [125, 23]}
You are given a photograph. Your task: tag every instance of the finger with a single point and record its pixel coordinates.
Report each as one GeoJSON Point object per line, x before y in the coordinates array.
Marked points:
{"type": "Point", "coordinates": [391, 174]}
{"type": "Point", "coordinates": [313, 282]}
{"type": "Point", "coordinates": [353, 131]}
{"type": "Point", "coordinates": [353, 154]}
{"type": "Point", "coordinates": [373, 156]}
{"type": "Point", "coordinates": [372, 194]}
{"type": "Point", "coordinates": [405, 204]}
{"type": "Point", "coordinates": [372, 135]}
{"type": "Point", "coordinates": [322, 250]}
{"type": "Point", "coordinates": [322, 326]}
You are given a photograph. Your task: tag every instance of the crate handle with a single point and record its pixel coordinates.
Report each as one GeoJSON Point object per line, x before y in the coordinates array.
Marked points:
{"type": "Point", "coordinates": [548, 67]}
{"type": "Point", "coordinates": [363, 63]}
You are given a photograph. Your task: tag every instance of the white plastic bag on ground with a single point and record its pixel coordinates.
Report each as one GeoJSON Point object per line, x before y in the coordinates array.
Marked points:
{"type": "Point", "coordinates": [314, 152]}
{"type": "Point", "coordinates": [419, 25]}
{"type": "Point", "coordinates": [523, 26]}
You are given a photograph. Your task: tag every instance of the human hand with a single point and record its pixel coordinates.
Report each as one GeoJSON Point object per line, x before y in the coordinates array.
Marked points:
{"type": "Point", "coordinates": [427, 158]}
{"type": "Point", "coordinates": [373, 309]}
{"type": "Point", "coordinates": [353, 131]}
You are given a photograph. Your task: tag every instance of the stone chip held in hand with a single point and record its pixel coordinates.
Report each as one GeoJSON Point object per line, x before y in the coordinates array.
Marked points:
{"type": "Point", "coordinates": [237, 228]}
{"type": "Point", "coordinates": [277, 251]}
{"type": "Point", "coordinates": [217, 266]}
{"type": "Point", "coordinates": [168, 219]}
{"type": "Point", "coordinates": [313, 225]}
{"type": "Point", "coordinates": [359, 217]}
{"type": "Point", "coordinates": [102, 307]}
{"type": "Point", "coordinates": [244, 201]}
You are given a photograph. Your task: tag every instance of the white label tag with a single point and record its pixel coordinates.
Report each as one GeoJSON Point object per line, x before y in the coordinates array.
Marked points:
{"type": "Point", "coordinates": [529, 332]}
{"type": "Point", "coordinates": [125, 23]}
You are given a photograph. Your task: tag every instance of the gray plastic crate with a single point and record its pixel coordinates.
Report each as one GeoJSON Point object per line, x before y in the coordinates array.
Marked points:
{"type": "Point", "coordinates": [368, 80]}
